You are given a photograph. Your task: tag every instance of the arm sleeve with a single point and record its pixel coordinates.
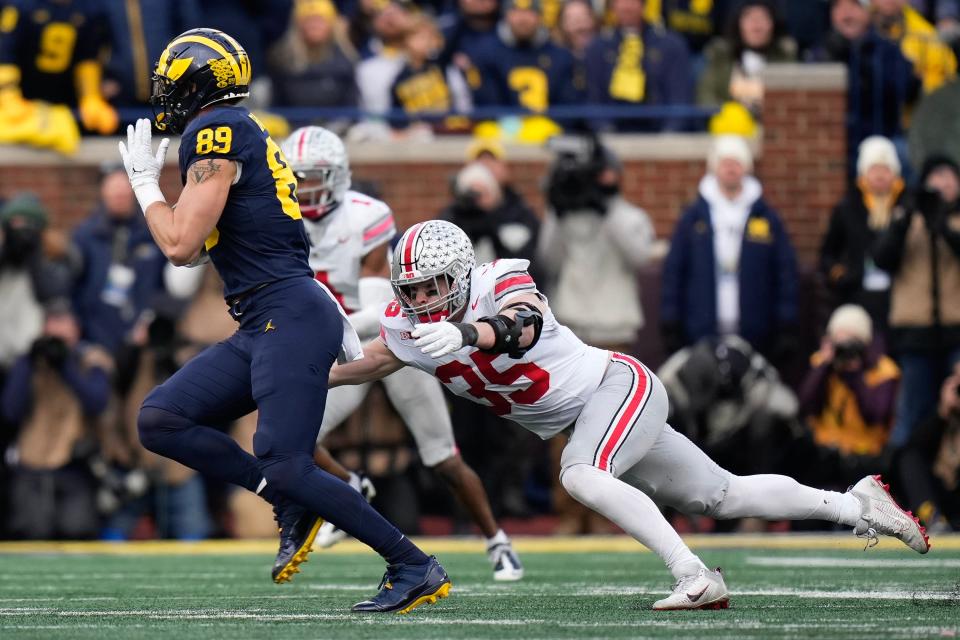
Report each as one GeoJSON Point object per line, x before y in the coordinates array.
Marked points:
{"type": "Point", "coordinates": [18, 392]}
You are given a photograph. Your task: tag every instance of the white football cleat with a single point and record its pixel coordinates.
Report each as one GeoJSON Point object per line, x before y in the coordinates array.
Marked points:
{"type": "Point", "coordinates": [704, 589]}
{"type": "Point", "coordinates": [506, 564]}
{"type": "Point", "coordinates": [880, 514]}
{"type": "Point", "coordinates": [329, 533]}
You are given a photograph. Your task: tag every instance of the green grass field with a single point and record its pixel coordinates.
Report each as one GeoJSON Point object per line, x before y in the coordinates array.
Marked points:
{"type": "Point", "coordinates": [782, 586]}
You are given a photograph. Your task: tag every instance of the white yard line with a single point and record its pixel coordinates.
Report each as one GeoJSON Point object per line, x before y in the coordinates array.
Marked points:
{"type": "Point", "coordinates": [851, 563]}
{"type": "Point", "coordinates": [127, 575]}
{"type": "Point", "coordinates": [262, 616]}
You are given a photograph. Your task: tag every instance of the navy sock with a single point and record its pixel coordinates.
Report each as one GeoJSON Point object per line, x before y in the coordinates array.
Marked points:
{"type": "Point", "coordinates": [403, 552]}
{"type": "Point", "coordinates": [299, 479]}
{"type": "Point", "coordinates": [213, 453]}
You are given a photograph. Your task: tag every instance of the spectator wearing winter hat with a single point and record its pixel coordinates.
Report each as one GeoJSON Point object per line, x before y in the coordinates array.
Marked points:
{"type": "Point", "coordinates": [920, 248]}
{"type": "Point", "coordinates": [731, 268]}
{"type": "Point", "coordinates": [313, 64]}
{"type": "Point", "coordinates": [51, 398]}
{"type": "Point", "coordinates": [846, 254]}
{"type": "Point", "coordinates": [847, 399]}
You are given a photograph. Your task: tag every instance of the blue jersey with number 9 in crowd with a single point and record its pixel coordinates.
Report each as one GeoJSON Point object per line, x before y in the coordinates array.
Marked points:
{"type": "Point", "coordinates": [260, 237]}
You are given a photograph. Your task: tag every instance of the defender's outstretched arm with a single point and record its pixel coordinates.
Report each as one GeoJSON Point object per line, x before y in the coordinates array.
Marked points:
{"type": "Point", "coordinates": [377, 362]}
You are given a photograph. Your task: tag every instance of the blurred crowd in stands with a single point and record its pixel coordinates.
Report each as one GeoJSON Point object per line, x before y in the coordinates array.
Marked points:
{"type": "Point", "coordinates": [93, 319]}
{"type": "Point", "coordinates": [525, 68]}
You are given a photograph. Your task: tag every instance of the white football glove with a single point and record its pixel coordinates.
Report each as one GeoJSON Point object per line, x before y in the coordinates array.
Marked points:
{"type": "Point", "coordinates": [437, 339]}
{"type": "Point", "coordinates": [143, 167]}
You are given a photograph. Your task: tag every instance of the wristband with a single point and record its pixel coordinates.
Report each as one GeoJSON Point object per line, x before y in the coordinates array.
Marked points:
{"type": "Point", "coordinates": [147, 194]}
{"type": "Point", "coordinates": [469, 333]}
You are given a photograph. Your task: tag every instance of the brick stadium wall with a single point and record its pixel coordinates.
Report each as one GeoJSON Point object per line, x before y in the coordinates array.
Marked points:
{"type": "Point", "coordinates": [801, 164]}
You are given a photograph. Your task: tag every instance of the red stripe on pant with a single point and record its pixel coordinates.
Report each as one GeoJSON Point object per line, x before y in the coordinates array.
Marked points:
{"type": "Point", "coordinates": [630, 414]}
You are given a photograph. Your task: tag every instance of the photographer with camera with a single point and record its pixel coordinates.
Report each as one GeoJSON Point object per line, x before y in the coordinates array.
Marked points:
{"type": "Point", "coordinates": [51, 396]}
{"type": "Point", "coordinates": [592, 243]}
{"type": "Point", "coordinates": [34, 267]}
{"type": "Point", "coordinates": [921, 250]}
{"type": "Point", "coordinates": [492, 214]}
{"type": "Point", "coordinates": [847, 400]}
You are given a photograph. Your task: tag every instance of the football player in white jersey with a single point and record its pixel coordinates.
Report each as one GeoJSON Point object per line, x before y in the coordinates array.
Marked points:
{"type": "Point", "coordinates": [488, 334]}
{"type": "Point", "coordinates": [349, 237]}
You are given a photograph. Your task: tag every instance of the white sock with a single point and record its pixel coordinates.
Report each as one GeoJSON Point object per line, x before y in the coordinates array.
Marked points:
{"type": "Point", "coordinates": [634, 512]}
{"type": "Point", "coordinates": [500, 537]}
{"type": "Point", "coordinates": [775, 497]}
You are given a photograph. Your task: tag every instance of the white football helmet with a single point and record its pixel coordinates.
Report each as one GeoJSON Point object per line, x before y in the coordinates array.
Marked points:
{"type": "Point", "coordinates": [319, 160]}
{"type": "Point", "coordinates": [436, 252]}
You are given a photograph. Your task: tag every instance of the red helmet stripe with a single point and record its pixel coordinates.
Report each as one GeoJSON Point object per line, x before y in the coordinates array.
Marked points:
{"type": "Point", "coordinates": [408, 246]}
{"type": "Point", "coordinates": [300, 143]}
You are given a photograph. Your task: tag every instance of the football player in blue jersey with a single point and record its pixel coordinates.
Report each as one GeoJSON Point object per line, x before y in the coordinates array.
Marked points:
{"type": "Point", "coordinates": [239, 208]}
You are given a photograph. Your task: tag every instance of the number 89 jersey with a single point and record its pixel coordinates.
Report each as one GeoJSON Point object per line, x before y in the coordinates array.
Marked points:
{"type": "Point", "coordinates": [260, 237]}
{"type": "Point", "coordinates": [543, 391]}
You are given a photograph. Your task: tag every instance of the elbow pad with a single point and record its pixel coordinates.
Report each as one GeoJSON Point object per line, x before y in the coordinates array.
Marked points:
{"type": "Point", "coordinates": [507, 330]}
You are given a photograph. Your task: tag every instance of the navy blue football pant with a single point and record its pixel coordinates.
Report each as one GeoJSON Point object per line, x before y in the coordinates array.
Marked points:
{"type": "Point", "coordinates": [277, 362]}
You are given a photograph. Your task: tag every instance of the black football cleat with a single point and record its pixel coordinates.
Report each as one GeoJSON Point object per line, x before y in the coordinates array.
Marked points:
{"type": "Point", "coordinates": [407, 586]}
{"type": "Point", "coordinates": [298, 528]}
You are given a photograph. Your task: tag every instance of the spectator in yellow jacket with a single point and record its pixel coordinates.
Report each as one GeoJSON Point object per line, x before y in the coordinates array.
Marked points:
{"type": "Point", "coordinates": [933, 61]}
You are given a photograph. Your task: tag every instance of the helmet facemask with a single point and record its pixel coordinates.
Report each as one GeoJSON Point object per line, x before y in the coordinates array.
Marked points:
{"type": "Point", "coordinates": [167, 100]}
{"type": "Point", "coordinates": [448, 293]}
{"type": "Point", "coordinates": [321, 190]}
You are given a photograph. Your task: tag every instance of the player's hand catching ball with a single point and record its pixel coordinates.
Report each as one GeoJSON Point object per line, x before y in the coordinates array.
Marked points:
{"type": "Point", "coordinates": [437, 339]}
